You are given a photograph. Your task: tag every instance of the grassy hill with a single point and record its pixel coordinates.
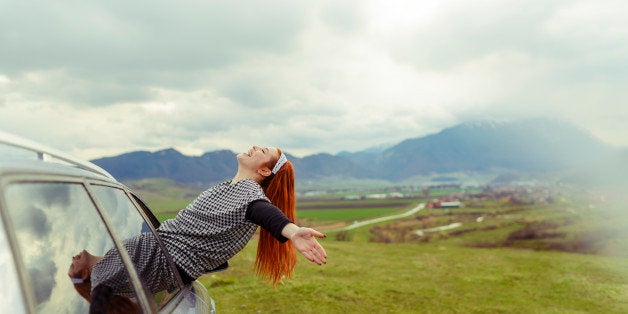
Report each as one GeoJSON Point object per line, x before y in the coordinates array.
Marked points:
{"type": "Point", "coordinates": [522, 250]}
{"type": "Point", "coordinates": [431, 278]}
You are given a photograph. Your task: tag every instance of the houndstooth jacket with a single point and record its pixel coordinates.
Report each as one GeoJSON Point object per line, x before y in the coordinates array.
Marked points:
{"type": "Point", "coordinates": [204, 235]}
{"type": "Point", "coordinates": [213, 228]}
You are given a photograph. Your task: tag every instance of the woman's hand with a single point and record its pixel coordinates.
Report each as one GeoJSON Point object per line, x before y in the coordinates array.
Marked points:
{"type": "Point", "coordinates": [304, 240]}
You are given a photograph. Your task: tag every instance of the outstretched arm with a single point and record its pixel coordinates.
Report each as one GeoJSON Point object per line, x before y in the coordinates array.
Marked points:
{"type": "Point", "coordinates": [304, 240]}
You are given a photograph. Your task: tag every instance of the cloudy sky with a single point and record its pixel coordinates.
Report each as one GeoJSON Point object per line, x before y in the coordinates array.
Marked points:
{"type": "Point", "coordinates": [99, 78]}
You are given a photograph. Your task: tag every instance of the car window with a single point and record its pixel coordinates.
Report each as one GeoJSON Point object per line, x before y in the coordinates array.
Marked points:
{"type": "Point", "coordinates": [10, 298]}
{"type": "Point", "coordinates": [54, 222]}
{"type": "Point", "coordinates": [147, 212]}
{"type": "Point", "coordinates": [152, 264]}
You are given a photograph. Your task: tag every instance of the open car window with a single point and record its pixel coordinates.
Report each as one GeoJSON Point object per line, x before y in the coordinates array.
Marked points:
{"type": "Point", "coordinates": [153, 265]}
{"type": "Point", "coordinates": [54, 222]}
{"type": "Point", "coordinates": [147, 212]}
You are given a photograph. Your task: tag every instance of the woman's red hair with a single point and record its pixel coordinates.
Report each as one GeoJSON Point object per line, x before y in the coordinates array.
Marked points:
{"type": "Point", "coordinates": [276, 260]}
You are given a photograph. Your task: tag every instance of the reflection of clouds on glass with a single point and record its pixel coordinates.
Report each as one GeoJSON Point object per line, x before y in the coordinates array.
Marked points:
{"type": "Point", "coordinates": [56, 195]}
{"type": "Point", "coordinates": [73, 225]}
{"type": "Point", "coordinates": [10, 297]}
{"type": "Point", "coordinates": [120, 210]}
{"type": "Point", "coordinates": [33, 219]}
{"type": "Point", "coordinates": [43, 275]}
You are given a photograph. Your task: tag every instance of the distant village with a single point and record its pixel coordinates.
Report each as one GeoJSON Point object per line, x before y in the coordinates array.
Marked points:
{"type": "Point", "coordinates": [510, 194]}
{"type": "Point", "coordinates": [516, 194]}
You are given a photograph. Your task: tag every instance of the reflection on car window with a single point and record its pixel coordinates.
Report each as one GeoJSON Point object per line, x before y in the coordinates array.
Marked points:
{"type": "Point", "coordinates": [10, 297]}
{"type": "Point", "coordinates": [56, 224]}
{"type": "Point", "coordinates": [151, 262]}
{"type": "Point", "coordinates": [120, 211]}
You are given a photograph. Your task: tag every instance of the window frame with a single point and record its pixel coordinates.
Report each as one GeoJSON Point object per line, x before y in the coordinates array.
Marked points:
{"type": "Point", "coordinates": [21, 274]}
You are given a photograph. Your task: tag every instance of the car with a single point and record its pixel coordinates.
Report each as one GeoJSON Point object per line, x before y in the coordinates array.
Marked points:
{"type": "Point", "coordinates": [53, 206]}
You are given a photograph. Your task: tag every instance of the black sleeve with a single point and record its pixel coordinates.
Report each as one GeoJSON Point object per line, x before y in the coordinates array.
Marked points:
{"type": "Point", "coordinates": [269, 217]}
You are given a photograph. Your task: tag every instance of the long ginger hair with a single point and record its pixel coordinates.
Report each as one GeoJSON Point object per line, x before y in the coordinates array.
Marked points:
{"type": "Point", "coordinates": [276, 260]}
{"type": "Point", "coordinates": [104, 299]}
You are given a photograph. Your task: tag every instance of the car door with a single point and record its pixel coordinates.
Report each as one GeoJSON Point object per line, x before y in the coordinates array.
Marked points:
{"type": "Point", "coordinates": [52, 220]}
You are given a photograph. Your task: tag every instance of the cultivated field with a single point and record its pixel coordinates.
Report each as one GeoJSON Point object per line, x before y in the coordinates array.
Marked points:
{"type": "Point", "coordinates": [558, 254]}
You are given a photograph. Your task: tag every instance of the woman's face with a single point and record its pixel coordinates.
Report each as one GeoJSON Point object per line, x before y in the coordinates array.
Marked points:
{"type": "Point", "coordinates": [258, 157]}
{"type": "Point", "coordinates": [79, 266]}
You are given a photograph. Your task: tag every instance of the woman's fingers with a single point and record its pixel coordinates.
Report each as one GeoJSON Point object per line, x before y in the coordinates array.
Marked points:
{"type": "Point", "coordinates": [321, 257]}
{"type": "Point", "coordinates": [318, 252]}
{"type": "Point", "coordinates": [306, 243]}
{"type": "Point", "coordinates": [318, 234]}
{"type": "Point", "coordinates": [315, 256]}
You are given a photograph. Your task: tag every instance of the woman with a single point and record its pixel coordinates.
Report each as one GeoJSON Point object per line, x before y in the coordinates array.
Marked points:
{"type": "Point", "coordinates": [214, 227]}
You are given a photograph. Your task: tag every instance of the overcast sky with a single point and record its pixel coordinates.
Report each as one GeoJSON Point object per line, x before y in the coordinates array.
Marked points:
{"type": "Point", "coordinates": [100, 78]}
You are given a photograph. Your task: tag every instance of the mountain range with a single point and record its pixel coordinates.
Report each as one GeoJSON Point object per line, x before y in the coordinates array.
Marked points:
{"type": "Point", "coordinates": [538, 146]}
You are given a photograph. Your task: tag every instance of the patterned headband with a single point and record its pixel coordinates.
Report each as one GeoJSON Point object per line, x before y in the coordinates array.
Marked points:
{"type": "Point", "coordinates": [280, 162]}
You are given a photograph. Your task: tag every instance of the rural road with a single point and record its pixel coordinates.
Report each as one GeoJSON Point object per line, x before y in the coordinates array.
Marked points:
{"type": "Point", "coordinates": [381, 219]}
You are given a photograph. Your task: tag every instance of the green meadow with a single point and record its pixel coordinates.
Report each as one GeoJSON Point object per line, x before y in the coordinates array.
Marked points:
{"type": "Point", "coordinates": [432, 278]}
{"type": "Point", "coordinates": [569, 255]}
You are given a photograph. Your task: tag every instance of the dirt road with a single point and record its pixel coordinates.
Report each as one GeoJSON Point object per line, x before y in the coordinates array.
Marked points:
{"type": "Point", "coordinates": [358, 224]}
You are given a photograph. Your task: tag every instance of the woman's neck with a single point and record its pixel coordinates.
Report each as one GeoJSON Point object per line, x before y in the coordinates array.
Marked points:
{"type": "Point", "coordinates": [240, 176]}
{"type": "Point", "coordinates": [93, 261]}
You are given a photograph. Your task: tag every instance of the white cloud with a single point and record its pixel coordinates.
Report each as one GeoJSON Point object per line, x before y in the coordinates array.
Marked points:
{"type": "Point", "coordinates": [308, 77]}
{"type": "Point", "coordinates": [590, 21]}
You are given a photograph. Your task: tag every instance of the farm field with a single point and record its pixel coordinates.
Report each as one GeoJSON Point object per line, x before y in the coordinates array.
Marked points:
{"type": "Point", "coordinates": [565, 255]}
{"type": "Point", "coordinates": [333, 211]}
{"type": "Point", "coordinates": [311, 210]}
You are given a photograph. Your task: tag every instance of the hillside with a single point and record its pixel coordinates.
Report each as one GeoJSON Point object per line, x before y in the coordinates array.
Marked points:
{"type": "Point", "coordinates": [524, 146]}
{"type": "Point", "coordinates": [505, 257]}
{"type": "Point", "coordinates": [534, 147]}
{"type": "Point", "coordinates": [170, 164]}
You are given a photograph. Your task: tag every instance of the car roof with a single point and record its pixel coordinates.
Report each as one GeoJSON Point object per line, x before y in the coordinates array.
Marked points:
{"type": "Point", "coordinates": [37, 167]}
{"type": "Point", "coordinates": [21, 156]}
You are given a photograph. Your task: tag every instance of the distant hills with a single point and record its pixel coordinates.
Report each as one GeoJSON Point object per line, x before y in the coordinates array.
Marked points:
{"type": "Point", "coordinates": [170, 164]}
{"type": "Point", "coordinates": [486, 147]}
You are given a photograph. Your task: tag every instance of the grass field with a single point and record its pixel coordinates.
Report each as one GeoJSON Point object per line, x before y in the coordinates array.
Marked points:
{"type": "Point", "coordinates": [451, 272]}
{"type": "Point", "coordinates": [319, 215]}
{"type": "Point", "coordinates": [567, 256]}
{"type": "Point", "coordinates": [316, 211]}
{"type": "Point", "coordinates": [405, 278]}
{"type": "Point", "coordinates": [335, 210]}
